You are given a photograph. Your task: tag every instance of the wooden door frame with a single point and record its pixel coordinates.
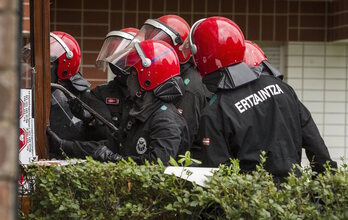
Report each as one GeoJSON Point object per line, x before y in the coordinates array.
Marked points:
{"type": "Point", "coordinates": [41, 77]}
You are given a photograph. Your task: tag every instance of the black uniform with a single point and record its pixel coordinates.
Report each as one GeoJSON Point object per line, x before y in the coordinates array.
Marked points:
{"type": "Point", "coordinates": [114, 94]}
{"type": "Point", "coordinates": [154, 129]}
{"type": "Point", "coordinates": [263, 115]}
{"type": "Point", "coordinates": [194, 99]}
{"type": "Point", "coordinates": [111, 101]}
{"type": "Point", "coordinates": [158, 132]}
{"type": "Point", "coordinates": [192, 102]}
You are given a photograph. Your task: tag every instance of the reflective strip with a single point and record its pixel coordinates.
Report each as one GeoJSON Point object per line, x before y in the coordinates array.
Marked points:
{"type": "Point", "coordinates": [162, 54]}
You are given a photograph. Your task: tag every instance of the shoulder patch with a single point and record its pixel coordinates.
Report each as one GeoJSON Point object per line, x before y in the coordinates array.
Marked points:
{"type": "Point", "coordinates": [187, 81]}
{"type": "Point", "coordinates": [212, 100]}
{"type": "Point", "coordinates": [164, 107]}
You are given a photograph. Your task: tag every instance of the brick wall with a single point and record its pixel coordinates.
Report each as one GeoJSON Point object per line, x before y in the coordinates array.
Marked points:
{"type": "Point", "coordinates": [26, 17]}
{"type": "Point", "coordinates": [338, 20]}
{"type": "Point", "coordinates": [261, 20]}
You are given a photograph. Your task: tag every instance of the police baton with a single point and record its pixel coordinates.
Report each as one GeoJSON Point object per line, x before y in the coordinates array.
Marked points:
{"type": "Point", "coordinates": [85, 106]}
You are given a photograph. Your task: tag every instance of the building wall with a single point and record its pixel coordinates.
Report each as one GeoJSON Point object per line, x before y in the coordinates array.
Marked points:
{"type": "Point", "coordinates": [319, 74]}
{"type": "Point", "coordinates": [260, 20]}
{"type": "Point", "coordinates": [26, 17]}
{"type": "Point", "coordinates": [338, 20]}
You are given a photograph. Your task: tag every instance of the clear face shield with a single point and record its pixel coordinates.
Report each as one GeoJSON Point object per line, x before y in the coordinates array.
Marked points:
{"type": "Point", "coordinates": [58, 48]}
{"type": "Point", "coordinates": [188, 45]}
{"type": "Point", "coordinates": [114, 42]}
{"type": "Point", "coordinates": [156, 30]}
{"type": "Point", "coordinates": [127, 58]}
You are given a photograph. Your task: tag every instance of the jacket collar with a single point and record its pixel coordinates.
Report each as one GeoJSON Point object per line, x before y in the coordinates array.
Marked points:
{"type": "Point", "coordinates": [230, 77]}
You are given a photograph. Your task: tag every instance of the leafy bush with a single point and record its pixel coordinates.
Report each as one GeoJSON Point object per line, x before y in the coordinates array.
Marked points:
{"type": "Point", "coordinates": [94, 190]}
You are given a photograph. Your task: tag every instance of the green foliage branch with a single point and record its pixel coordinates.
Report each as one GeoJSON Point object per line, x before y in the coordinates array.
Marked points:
{"type": "Point", "coordinates": [94, 190]}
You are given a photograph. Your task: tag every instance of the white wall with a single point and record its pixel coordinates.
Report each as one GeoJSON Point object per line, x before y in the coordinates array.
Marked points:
{"type": "Point", "coordinates": [318, 72]}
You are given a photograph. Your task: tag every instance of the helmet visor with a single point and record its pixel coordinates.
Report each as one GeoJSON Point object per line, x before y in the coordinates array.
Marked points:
{"type": "Point", "coordinates": [156, 30]}
{"type": "Point", "coordinates": [113, 43]}
{"type": "Point", "coordinates": [185, 48]}
{"type": "Point", "coordinates": [128, 58]}
{"type": "Point", "coordinates": [56, 49]}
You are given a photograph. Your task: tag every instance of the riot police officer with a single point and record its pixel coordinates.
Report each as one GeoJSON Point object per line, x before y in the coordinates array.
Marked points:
{"type": "Point", "coordinates": [256, 59]}
{"type": "Point", "coordinates": [174, 30]}
{"type": "Point", "coordinates": [155, 128]}
{"type": "Point", "coordinates": [110, 99]}
{"type": "Point", "coordinates": [249, 113]}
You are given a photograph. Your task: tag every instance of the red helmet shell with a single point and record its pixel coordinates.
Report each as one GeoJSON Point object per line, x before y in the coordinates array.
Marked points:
{"type": "Point", "coordinates": [67, 67]}
{"type": "Point", "coordinates": [130, 30]}
{"type": "Point", "coordinates": [253, 55]}
{"type": "Point", "coordinates": [182, 27]}
{"type": "Point", "coordinates": [219, 42]}
{"type": "Point", "coordinates": [164, 63]}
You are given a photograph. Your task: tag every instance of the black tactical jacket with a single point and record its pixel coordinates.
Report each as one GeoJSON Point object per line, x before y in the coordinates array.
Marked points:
{"type": "Point", "coordinates": [194, 99]}
{"type": "Point", "coordinates": [158, 132]}
{"type": "Point", "coordinates": [263, 115]}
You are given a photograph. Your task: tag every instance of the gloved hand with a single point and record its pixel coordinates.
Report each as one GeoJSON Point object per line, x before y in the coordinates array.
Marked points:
{"type": "Point", "coordinates": [77, 110]}
{"type": "Point", "coordinates": [58, 145]}
{"type": "Point", "coordinates": [104, 154]}
{"type": "Point", "coordinates": [55, 141]}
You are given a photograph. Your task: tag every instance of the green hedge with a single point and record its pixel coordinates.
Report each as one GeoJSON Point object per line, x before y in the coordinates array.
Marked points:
{"type": "Point", "coordinates": [94, 190]}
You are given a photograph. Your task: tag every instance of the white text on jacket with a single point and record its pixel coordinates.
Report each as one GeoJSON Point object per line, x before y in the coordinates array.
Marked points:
{"type": "Point", "coordinates": [258, 97]}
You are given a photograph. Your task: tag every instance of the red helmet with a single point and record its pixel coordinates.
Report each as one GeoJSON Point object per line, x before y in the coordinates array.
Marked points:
{"type": "Point", "coordinates": [169, 28]}
{"type": "Point", "coordinates": [154, 61]}
{"type": "Point", "coordinates": [130, 30]}
{"type": "Point", "coordinates": [216, 42]}
{"type": "Point", "coordinates": [253, 55]}
{"type": "Point", "coordinates": [114, 41]}
{"type": "Point", "coordinates": [66, 49]}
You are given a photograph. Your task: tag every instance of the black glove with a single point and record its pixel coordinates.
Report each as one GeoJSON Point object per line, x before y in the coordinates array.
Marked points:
{"type": "Point", "coordinates": [104, 154]}
{"type": "Point", "coordinates": [77, 110]}
{"type": "Point", "coordinates": [57, 145]}
{"type": "Point", "coordinates": [54, 141]}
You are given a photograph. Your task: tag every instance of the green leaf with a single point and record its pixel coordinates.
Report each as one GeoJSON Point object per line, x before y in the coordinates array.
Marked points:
{"type": "Point", "coordinates": [173, 162]}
